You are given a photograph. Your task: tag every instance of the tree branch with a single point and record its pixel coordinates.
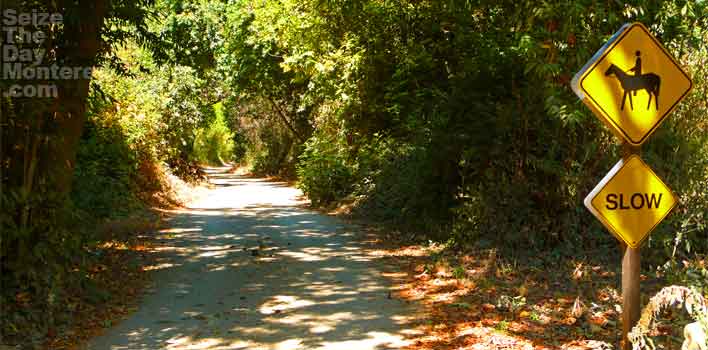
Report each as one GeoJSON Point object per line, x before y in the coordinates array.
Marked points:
{"type": "Point", "coordinates": [285, 120]}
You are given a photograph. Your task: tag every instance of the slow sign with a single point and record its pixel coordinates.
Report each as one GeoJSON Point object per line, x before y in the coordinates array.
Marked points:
{"type": "Point", "coordinates": [631, 201]}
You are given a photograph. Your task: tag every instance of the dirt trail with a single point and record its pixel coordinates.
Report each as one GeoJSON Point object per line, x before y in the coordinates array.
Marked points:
{"type": "Point", "coordinates": [246, 268]}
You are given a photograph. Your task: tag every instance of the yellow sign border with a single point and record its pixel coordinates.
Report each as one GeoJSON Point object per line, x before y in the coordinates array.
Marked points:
{"type": "Point", "coordinates": [600, 186]}
{"type": "Point", "coordinates": [577, 83]}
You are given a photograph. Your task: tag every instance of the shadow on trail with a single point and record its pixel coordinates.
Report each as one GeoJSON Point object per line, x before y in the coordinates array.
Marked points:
{"type": "Point", "coordinates": [247, 269]}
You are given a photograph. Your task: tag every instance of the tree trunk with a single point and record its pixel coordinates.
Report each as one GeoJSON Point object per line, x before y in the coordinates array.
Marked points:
{"type": "Point", "coordinates": [84, 36]}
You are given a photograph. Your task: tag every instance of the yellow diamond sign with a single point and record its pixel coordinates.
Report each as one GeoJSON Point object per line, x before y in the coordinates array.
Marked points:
{"type": "Point", "coordinates": [631, 201]}
{"type": "Point", "coordinates": [632, 83]}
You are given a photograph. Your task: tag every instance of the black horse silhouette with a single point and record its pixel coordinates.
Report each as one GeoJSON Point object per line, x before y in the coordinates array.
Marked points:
{"type": "Point", "coordinates": [649, 82]}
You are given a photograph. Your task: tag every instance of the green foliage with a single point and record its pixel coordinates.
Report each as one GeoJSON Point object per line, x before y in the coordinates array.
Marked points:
{"type": "Point", "coordinates": [121, 142]}
{"type": "Point", "coordinates": [270, 114]}
{"type": "Point", "coordinates": [392, 173]}
{"type": "Point", "coordinates": [439, 112]}
{"type": "Point", "coordinates": [272, 150]}
{"type": "Point", "coordinates": [215, 143]}
{"type": "Point", "coordinates": [36, 260]}
{"type": "Point", "coordinates": [187, 33]}
{"type": "Point", "coordinates": [43, 242]}
{"type": "Point", "coordinates": [323, 172]}
{"type": "Point", "coordinates": [679, 153]}
{"type": "Point", "coordinates": [105, 169]}
{"type": "Point", "coordinates": [160, 109]}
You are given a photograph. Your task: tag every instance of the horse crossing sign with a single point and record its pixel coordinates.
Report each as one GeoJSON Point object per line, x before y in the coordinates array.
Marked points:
{"type": "Point", "coordinates": [632, 83]}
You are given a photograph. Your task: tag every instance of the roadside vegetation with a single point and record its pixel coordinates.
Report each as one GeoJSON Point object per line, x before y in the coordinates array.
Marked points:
{"type": "Point", "coordinates": [452, 123]}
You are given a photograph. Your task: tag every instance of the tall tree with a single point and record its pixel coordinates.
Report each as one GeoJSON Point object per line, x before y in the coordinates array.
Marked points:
{"type": "Point", "coordinates": [41, 135]}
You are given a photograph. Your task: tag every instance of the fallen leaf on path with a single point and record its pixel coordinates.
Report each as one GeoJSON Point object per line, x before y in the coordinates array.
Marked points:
{"type": "Point", "coordinates": [488, 307]}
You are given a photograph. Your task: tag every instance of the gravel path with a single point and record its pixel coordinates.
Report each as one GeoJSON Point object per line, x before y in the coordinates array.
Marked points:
{"type": "Point", "coordinates": [245, 267]}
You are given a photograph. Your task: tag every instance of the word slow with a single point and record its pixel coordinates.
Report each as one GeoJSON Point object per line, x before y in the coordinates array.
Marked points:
{"type": "Point", "coordinates": [619, 201]}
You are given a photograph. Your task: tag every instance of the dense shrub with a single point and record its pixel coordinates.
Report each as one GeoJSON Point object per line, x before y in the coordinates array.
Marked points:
{"type": "Point", "coordinates": [37, 258]}
{"type": "Point", "coordinates": [274, 155]}
{"type": "Point", "coordinates": [323, 173]}
{"type": "Point", "coordinates": [679, 154]}
{"type": "Point", "coordinates": [462, 112]}
{"type": "Point", "coordinates": [105, 171]}
{"type": "Point", "coordinates": [271, 149]}
{"type": "Point", "coordinates": [215, 143]}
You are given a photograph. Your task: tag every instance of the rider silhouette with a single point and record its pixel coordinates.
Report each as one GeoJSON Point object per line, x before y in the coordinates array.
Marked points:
{"type": "Point", "coordinates": [637, 69]}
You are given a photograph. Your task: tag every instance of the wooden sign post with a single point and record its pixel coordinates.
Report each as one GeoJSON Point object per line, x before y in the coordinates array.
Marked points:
{"type": "Point", "coordinates": [631, 263]}
{"type": "Point", "coordinates": [631, 273]}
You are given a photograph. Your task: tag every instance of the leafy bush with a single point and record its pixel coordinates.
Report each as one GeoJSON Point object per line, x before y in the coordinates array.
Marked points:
{"type": "Point", "coordinates": [215, 143]}
{"type": "Point", "coordinates": [390, 177]}
{"type": "Point", "coordinates": [272, 150]}
{"type": "Point", "coordinates": [36, 258]}
{"type": "Point", "coordinates": [105, 172]}
{"type": "Point", "coordinates": [481, 127]}
{"type": "Point", "coordinates": [323, 173]}
{"type": "Point", "coordinates": [679, 154]}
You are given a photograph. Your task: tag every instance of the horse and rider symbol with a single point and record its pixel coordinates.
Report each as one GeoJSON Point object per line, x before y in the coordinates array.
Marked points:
{"type": "Point", "coordinates": [633, 83]}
